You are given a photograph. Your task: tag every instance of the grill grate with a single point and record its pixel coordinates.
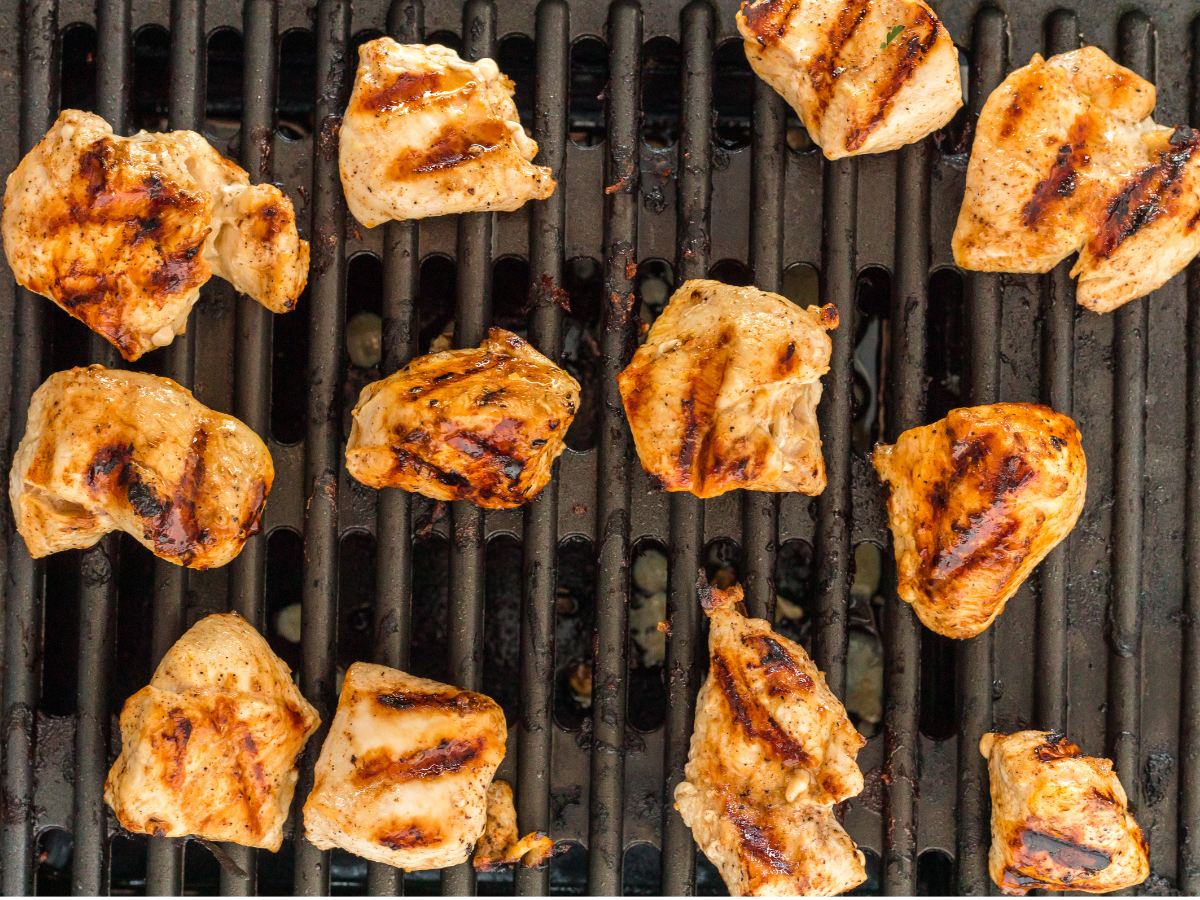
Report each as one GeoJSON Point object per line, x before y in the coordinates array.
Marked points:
{"type": "Point", "coordinates": [1092, 643]}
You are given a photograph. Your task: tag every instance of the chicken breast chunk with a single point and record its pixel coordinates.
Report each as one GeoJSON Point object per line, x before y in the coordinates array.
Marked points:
{"type": "Point", "coordinates": [209, 747]}
{"type": "Point", "coordinates": [1066, 158]}
{"type": "Point", "coordinates": [107, 450]}
{"type": "Point", "coordinates": [500, 844]}
{"type": "Point", "coordinates": [977, 500]}
{"type": "Point", "coordinates": [429, 134]}
{"type": "Point", "coordinates": [771, 753]}
{"type": "Point", "coordinates": [1059, 821]}
{"type": "Point", "coordinates": [122, 232]}
{"type": "Point", "coordinates": [723, 394]}
{"type": "Point", "coordinates": [483, 424]}
{"type": "Point", "coordinates": [403, 776]}
{"type": "Point", "coordinates": [864, 76]}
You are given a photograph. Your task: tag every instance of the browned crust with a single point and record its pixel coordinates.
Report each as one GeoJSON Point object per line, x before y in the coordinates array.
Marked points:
{"type": "Point", "coordinates": [767, 19]}
{"type": "Point", "coordinates": [1063, 178]}
{"type": "Point", "coordinates": [444, 758]}
{"type": "Point", "coordinates": [751, 717]}
{"type": "Point", "coordinates": [451, 147]}
{"type": "Point", "coordinates": [459, 702]}
{"type": "Point", "coordinates": [411, 87]}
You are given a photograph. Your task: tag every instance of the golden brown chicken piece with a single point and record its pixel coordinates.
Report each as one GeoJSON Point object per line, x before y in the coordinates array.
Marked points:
{"type": "Point", "coordinates": [1066, 158]}
{"type": "Point", "coordinates": [483, 424]}
{"type": "Point", "coordinates": [404, 772]}
{"type": "Point", "coordinates": [864, 76]}
{"type": "Point", "coordinates": [977, 500]}
{"type": "Point", "coordinates": [428, 134]}
{"type": "Point", "coordinates": [122, 232]}
{"type": "Point", "coordinates": [209, 748]}
{"type": "Point", "coordinates": [108, 450]}
{"type": "Point", "coordinates": [1059, 821]}
{"type": "Point", "coordinates": [771, 753]}
{"type": "Point", "coordinates": [500, 844]}
{"type": "Point", "coordinates": [723, 394]}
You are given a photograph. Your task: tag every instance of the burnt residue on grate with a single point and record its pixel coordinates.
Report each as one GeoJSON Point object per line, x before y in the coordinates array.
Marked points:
{"type": "Point", "coordinates": [578, 613]}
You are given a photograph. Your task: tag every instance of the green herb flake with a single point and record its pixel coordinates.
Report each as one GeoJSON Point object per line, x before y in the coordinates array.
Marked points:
{"type": "Point", "coordinates": [893, 33]}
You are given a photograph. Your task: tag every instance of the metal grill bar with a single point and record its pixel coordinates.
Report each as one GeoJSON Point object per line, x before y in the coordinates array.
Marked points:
{"type": "Point", "coordinates": [831, 551]}
{"type": "Point", "coordinates": [393, 544]}
{"type": "Point", "coordinates": [1058, 362]}
{"type": "Point", "coordinates": [975, 656]}
{"type": "Point", "coordinates": [685, 642]}
{"type": "Point", "coordinates": [473, 315]}
{"type": "Point", "coordinates": [760, 510]}
{"type": "Point", "coordinates": [22, 619]}
{"type": "Point", "coordinates": [164, 873]}
{"type": "Point", "coordinates": [1135, 40]}
{"type": "Point", "coordinates": [252, 351]}
{"type": "Point", "coordinates": [910, 300]}
{"type": "Point", "coordinates": [322, 458]}
{"type": "Point", "coordinates": [1189, 725]}
{"type": "Point", "coordinates": [98, 566]}
{"type": "Point", "coordinates": [606, 819]}
{"type": "Point", "coordinates": [540, 562]}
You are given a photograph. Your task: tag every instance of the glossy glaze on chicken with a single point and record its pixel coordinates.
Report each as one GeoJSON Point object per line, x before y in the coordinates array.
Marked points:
{"type": "Point", "coordinates": [771, 753]}
{"type": "Point", "coordinates": [209, 747]}
{"type": "Point", "coordinates": [864, 76]}
{"type": "Point", "coordinates": [404, 772]}
{"type": "Point", "coordinates": [1066, 158]}
{"type": "Point", "coordinates": [977, 500]}
{"type": "Point", "coordinates": [107, 450]}
{"type": "Point", "coordinates": [1059, 818]}
{"type": "Point", "coordinates": [483, 424]}
{"type": "Point", "coordinates": [429, 134]}
{"type": "Point", "coordinates": [122, 232]}
{"type": "Point", "coordinates": [724, 393]}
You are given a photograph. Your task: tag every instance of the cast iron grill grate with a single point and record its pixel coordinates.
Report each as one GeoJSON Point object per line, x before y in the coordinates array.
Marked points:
{"type": "Point", "coordinates": [709, 173]}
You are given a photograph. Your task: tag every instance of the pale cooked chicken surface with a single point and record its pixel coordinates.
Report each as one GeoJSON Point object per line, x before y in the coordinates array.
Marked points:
{"type": "Point", "coordinates": [977, 500]}
{"type": "Point", "coordinates": [209, 748]}
{"type": "Point", "coordinates": [501, 844]}
{"type": "Point", "coordinates": [771, 753]}
{"type": "Point", "coordinates": [864, 76]}
{"type": "Point", "coordinates": [1066, 158]}
{"type": "Point", "coordinates": [429, 134]}
{"type": "Point", "coordinates": [723, 394]}
{"type": "Point", "coordinates": [1059, 818]}
{"type": "Point", "coordinates": [403, 776]}
{"type": "Point", "coordinates": [107, 450]}
{"type": "Point", "coordinates": [483, 424]}
{"type": "Point", "coordinates": [122, 232]}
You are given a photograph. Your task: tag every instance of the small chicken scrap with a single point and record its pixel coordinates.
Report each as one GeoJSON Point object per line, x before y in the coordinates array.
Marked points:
{"type": "Point", "coordinates": [977, 501]}
{"type": "Point", "coordinates": [483, 424]}
{"type": "Point", "coordinates": [771, 753]}
{"type": "Point", "coordinates": [1066, 158]}
{"type": "Point", "coordinates": [108, 450]}
{"type": "Point", "coordinates": [404, 774]}
{"type": "Point", "coordinates": [501, 845]}
{"type": "Point", "coordinates": [864, 76]}
{"type": "Point", "coordinates": [1059, 818]}
{"type": "Point", "coordinates": [724, 393]}
{"type": "Point", "coordinates": [209, 747]}
{"type": "Point", "coordinates": [429, 134]}
{"type": "Point", "coordinates": [122, 232]}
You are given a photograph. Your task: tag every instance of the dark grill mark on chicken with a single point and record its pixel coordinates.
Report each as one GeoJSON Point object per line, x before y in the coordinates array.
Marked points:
{"type": "Point", "coordinates": [432, 762]}
{"type": "Point", "coordinates": [753, 719]}
{"type": "Point", "coordinates": [784, 675]}
{"type": "Point", "coordinates": [825, 69]}
{"type": "Point", "coordinates": [756, 839]}
{"type": "Point", "coordinates": [178, 737]}
{"type": "Point", "coordinates": [457, 703]}
{"type": "Point", "coordinates": [1147, 196]}
{"type": "Point", "coordinates": [408, 87]}
{"type": "Point", "coordinates": [408, 838]}
{"type": "Point", "coordinates": [1064, 175]}
{"type": "Point", "coordinates": [914, 49]}
{"type": "Point", "coordinates": [768, 19]}
{"type": "Point", "coordinates": [451, 147]}
{"type": "Point", "coordinates": [1039, 847]}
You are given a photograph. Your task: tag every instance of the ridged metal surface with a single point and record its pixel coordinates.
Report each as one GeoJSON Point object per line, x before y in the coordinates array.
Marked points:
{"type": "Point", "coordinates": [1102, 640]}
